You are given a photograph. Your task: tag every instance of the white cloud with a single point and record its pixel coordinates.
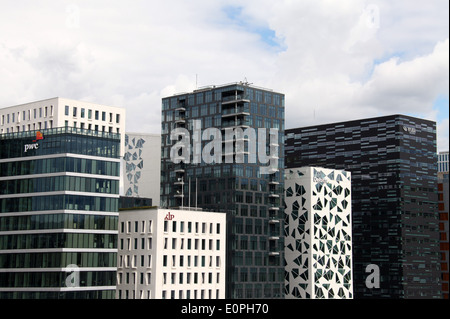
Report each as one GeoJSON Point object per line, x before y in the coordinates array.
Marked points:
{"type": "Point", "coordinates": [409, 86]}
{"type": "Point", "coordinates": [340, 60]}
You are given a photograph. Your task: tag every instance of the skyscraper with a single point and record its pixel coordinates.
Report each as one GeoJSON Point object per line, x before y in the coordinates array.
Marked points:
{"type": "Point", "coordinates": [239, 172]}
{"type": "Point", "coordinates": [443, 205]}
{"type": "Point", "coordinates": [59, 194]}
{"type": "Point", "coordinates": [318, 239]}
{"type": "Point", "coordinates": [392, 160]}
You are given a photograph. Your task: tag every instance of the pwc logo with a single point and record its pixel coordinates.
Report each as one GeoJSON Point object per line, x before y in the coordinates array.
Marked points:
{"type": "Point", "coordinates": [35, 145]}
{"type": "Point", "coordinates": [39, 137]}
{"type": "Point", "coordinates": [169, 216]}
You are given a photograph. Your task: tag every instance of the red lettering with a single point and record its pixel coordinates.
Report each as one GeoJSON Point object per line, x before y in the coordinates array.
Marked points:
{"type": "Point", "coordinates": [169, 216]}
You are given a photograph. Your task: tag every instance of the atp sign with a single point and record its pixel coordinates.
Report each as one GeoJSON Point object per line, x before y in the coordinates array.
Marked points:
{"type": "Point", "coordinates": [169, 216]}
{"type": "Point", "coordinates": [35, 145]}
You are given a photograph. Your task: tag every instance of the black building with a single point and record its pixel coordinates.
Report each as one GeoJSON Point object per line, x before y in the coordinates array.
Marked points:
{"type": "Point", "coordinates": [233, 182]}
{"type": "Point", "coordinates": [393, 163]}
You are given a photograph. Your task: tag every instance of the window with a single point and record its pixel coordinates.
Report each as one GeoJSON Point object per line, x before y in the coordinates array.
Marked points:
{"type": "Point", "coordinates": [66, 112]}
{"type": "Point", "coordinates": [82, 113]}
{"type": "Point", "coordinates": [174, 243]}
{"type": "Point", "coordinates": [150, 226]}
{"type": "Point", "coordinates": [117, 118]}
{"type": "Point", "coordinates": [74, 111]}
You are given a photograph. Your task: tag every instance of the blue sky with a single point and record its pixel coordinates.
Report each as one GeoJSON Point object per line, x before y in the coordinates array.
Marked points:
{"type": "Point", "coordinates": [268, 36]}
{"type": "Point", "coordinates": [441, 105]}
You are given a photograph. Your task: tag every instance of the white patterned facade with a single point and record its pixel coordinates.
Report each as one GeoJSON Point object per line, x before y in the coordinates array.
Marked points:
{"type": "Point", "coordinates": [318, 233]}
{"type": "Point", "coordinates": [142, 166]}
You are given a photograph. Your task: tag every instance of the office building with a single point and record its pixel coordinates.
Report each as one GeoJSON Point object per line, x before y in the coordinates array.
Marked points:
{"type": "Point", "coordinates": [62, 112]}
{"type": "Point", "coordinates": [208, 160]}
{"type": "Point", "coordinates": [443, 205]}
{"type": "Point", "coordinates": [171, 254]}
{"type": "Point", "coordinates": [59, 193]}
{"type": "Point", "coordinates": [318, 228]}
{"type": "Point", "coordinates": [395, 217]}
{"type": "Point", "coordinates": [443, 162]}
{"type": "Point", "coordinates": [142, 166]}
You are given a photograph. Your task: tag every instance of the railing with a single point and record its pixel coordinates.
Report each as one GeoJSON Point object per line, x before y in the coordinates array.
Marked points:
{"type": "Point", "coordinates": [60, 130]}
{"type": "Point", "coordinates": [235, 111]}
{"type": "Point", "coordinates": [233, 98]}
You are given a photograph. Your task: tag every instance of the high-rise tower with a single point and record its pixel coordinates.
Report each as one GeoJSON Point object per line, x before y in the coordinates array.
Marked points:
{"type": "Point", "coordinates": [393, 163]}
{"type": "Point", "coordinates": [222, 150]}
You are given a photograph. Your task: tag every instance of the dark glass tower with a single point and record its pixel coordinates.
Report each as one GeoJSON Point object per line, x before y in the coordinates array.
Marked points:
{"type": "Point", "coordinates": [252, 198]}
{"type": "Point", "coordinates": [393, 163]}
{"type": "Point", "coordinates": [59, 193]}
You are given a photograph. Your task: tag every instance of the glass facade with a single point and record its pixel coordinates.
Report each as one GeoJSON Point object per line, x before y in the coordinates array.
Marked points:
{"type": "Point", "coordinates": [252, 200]}
{"type": "Point", "coordinates": [59, 165]}
{"type": "Point", "coordinates": [59, 193]}
{"type": "Point", "coordinates": [393, 162]}
{"type": "Point", "coordinates": [59, 141]}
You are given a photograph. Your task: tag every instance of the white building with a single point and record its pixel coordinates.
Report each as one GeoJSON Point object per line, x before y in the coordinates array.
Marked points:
{"type": "Point", "coordinates": [171, 254]}
{"type": "Point", "coordinates": [60, 112]}
{"type": "Point", "coordinates": [318, 242]}
{"type": "Point", "coordinates": [142, 166]}
{"type": "Point", "coordinates": [443, 162]}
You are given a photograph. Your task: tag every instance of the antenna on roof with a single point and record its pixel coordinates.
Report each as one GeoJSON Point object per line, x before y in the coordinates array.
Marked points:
{"type": "Point", "coordinates": [246, 82]}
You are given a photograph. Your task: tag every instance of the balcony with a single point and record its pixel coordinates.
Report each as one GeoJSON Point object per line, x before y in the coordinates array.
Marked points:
{"type": "Point", "coordinates": [179, 169]}
{"type": "Point", "coordinates": [180, 119]}
{"type": "Point", "coordinates": [273, 182]}
{"type": "Point", "coordinates": [179, 181]}
{"type": "Point", "coordinates": [235, 111]}
{"type": "Point", "coordinates": [274, 253]}
{"type": "Point", "coordinates": [274, 221]}
{"type": "Point", "coordinates": [272, 170]}
{"type": "Point", "coordinates": [233, 122]}
{"type": "Point", "coordinates": [236, 98]}
{"type": "Point", "coordinates": [234, 139]}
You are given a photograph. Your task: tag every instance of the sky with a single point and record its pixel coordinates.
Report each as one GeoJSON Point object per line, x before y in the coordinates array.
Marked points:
{"type": "Point", "coordinates": [334, 60]}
